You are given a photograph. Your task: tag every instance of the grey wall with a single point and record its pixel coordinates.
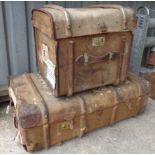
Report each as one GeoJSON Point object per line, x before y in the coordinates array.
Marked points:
{"type": "Point", "coordinates": [17, 53]}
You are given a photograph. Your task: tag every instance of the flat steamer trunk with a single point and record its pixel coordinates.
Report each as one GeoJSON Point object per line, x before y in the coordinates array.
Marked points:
{"type": "Point", "coordinates": [44, 120]}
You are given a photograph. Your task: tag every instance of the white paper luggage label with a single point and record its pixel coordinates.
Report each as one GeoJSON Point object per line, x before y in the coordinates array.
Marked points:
{"type": "Point", "coordinates": [50, 73]}
{"type": "Point", "coordinates": [44, 52]}
{"type": "Point", "coordinates": [11, 93]}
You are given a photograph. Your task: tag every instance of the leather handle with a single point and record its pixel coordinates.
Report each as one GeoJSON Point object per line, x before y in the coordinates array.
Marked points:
{"type": "Point", "coordinates": [114, 7]}
{"type": "Point", "coordinates": [86, 58]}
{"type": "Point", "coordinates": [70, 68]}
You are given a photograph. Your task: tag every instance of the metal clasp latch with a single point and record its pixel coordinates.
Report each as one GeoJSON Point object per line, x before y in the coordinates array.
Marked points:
{"type": "Point", "coordinates": [110, 55]}
{"type": "Point", "coordinates": [86, 58]}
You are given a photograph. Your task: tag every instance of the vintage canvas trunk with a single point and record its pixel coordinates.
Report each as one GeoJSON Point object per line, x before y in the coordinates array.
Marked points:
{"type": "Point", "coordinates": [151, 78]}
{"type": "Point", "coordinates": [44, 120]}
{"type": "Point", "coordinates": [83, 48]}
{"type": "Point", "coordinates": [149, 74]}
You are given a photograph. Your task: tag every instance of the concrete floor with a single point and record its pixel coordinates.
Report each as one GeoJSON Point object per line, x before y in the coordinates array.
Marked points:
{"type": "Point", "coordinates": [135, 135]}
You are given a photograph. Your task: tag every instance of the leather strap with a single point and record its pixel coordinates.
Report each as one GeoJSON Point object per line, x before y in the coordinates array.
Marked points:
{"type": "Point", "coordinates": [83, 120]}
{"type": "Point", "coordinates": [113, 116]}
{"type": "Point", "coordinates": [139, 102]}
{"type": "Point", "coordinates": [124, 59]}
{"type": "Point", "coordinates": [70, 68]}
{"type": "Point", "coordinates": [139, 105]}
